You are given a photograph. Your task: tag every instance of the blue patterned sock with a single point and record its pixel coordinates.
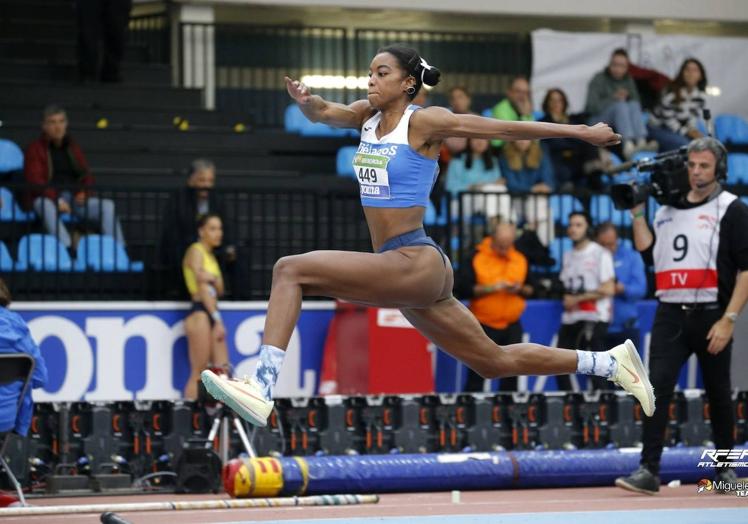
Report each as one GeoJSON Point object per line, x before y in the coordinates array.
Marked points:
{"type": "Point", "coordinates": [268, 367]}
{"type": "Point", "coordinates": [599, 363]}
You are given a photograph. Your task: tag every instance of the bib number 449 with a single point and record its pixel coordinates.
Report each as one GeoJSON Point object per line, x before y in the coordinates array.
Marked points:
{"type": "Point", "coordinates": [366, 174]}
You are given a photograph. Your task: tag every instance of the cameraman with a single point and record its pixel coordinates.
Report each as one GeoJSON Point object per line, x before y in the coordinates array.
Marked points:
{"type": "Point", "coordinates": [700, 252]}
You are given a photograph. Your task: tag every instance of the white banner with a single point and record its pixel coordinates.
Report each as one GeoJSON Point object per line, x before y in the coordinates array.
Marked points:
{"type": "Point", "coordinates": [570, 60]}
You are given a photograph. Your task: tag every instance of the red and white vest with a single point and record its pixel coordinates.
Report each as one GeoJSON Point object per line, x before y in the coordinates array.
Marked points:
{"type": "Point", "coordinates": [584, 270]}
{"type": "Point", "coordinates": [685, 251]}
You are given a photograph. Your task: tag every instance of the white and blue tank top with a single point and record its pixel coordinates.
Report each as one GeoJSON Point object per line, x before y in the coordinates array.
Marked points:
{"type": "Point", "coordinates": [391, 173]}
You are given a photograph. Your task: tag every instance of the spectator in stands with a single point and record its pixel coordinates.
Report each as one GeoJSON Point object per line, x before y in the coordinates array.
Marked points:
{"type": "Point", "coordinates": [477, 170]}
{"type": "Point", "coordinates": [674, 121]}
{"type": "Point", "coordinates": [612, 97]}
{"type": "Point", "coordinates": [495, 283]}
{"type": "Point", "coordinates": [474, 168]}
{"type": "Point", "coordinates": [516, 106]}
{"type": "Point", "coordinates": [573, 160]}
{"type": "Point", "coordinates": [589, 281]}
{"type": "Point", "coordinates": [630, 286]}
{"type": "Point", "coordinates": [195, 199]}
{"type": "Point", "coordinates": [16, 338]}
{"type": "Point", "coordinates": [60, 181]}
{"type": "Point", "coordinates": [528, 171]}
{"type": "Point", "coordinates": [459, 103]}
{"type": "Point", "coordinates": [101, 23]}
{"type": "Point", "coordinates": [206, 335]}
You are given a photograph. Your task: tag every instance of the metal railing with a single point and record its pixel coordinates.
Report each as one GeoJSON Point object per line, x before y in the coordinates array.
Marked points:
{"type": "Point", "coordinates": [240, 67]}
{"type": "Point", "coordinates": [152, 32]}
{"type": "Point", "coordinates": [262, 224]}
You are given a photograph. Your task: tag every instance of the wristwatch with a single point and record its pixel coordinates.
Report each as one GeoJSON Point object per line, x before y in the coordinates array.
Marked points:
{"type": "Point", "coordinates": [732, 317]}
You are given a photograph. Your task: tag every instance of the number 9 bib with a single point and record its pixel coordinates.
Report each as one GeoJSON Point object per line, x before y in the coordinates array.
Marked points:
{"type": "Point", "coordinates": [371, 171]}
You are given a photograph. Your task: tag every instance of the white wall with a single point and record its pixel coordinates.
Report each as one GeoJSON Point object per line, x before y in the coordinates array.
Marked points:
{"type": "Point", "coordinates": [569, 60]}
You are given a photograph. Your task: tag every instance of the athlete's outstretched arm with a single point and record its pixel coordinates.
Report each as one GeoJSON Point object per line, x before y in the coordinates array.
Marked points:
{"type": "Point", "coordinates": [317, 109]}
{"type": "Point", "coordinates": [443, 123]}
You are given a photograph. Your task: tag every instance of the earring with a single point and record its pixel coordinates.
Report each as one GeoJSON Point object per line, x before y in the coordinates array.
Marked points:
{"type": "Point", "coordinates": [411, 90]}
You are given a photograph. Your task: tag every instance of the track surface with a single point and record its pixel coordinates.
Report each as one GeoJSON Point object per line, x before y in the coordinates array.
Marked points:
{"type": "Point", "coordinates": [681, 505]}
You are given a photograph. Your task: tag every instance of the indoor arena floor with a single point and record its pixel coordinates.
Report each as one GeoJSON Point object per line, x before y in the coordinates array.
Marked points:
{"type": "Point", "coordinates": [680, 505]}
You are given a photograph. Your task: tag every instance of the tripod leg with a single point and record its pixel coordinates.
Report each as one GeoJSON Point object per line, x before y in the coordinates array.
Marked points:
{"type": "Point", "coordinates": [213, 431]}
{"type": "Point", "coordinates": [243, 436]}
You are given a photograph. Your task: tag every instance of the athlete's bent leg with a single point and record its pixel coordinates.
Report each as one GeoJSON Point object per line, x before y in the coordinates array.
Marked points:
{"type": "Point", "coordinates": [410, 276]}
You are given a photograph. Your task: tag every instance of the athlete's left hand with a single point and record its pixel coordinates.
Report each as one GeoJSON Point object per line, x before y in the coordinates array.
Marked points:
{"type": "Point", "coordinates": [719, 335]}
{"type": "Point", "coordinates": [601, 135]}
{"type": "Point", "coordinates": [219, 332]}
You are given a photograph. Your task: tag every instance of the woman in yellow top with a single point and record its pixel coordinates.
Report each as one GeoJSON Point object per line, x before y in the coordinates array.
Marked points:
{"type": "Point", "coordinates": [204, 328]}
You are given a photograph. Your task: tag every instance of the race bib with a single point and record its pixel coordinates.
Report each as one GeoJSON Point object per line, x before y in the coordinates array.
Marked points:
{"type": "Point", "coordinates": [371, 171]}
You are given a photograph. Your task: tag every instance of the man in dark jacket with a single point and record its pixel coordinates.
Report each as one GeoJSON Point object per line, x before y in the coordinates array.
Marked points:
{"type": "Point", "coordinates": [60, 180]}
{"type": "Point", "coordinates": [181, 214]}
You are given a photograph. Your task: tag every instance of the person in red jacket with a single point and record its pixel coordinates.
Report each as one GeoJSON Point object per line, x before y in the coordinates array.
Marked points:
{"type": "Point", "coordinates": [60, 180]}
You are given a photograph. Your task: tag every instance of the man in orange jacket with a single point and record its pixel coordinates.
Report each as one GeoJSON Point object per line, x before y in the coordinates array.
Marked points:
{"type": "Point", "coordinates": [495, 282]}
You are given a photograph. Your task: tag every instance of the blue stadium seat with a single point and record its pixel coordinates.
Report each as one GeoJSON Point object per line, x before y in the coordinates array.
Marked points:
{"type": "Point", "coordinates": [6, 262]}
{"type": "Point", "coordinates": [293, 119]}
{"type": "Point", "coordinates": [562, 205]}
{"type": "Point", "coordinates": [602, 210]}
{"type": "Point", "coordinates": [344, 161]}
{"type": "Point", "coordinates": [42, 253]}
{"type": "Point", "coordinates": [538, 114]}
{"type": "Point", "coordinates": [731, 128]}
{"type": "Point", "coordinates": [10, 211]}
{"type": "Point", "coordinates": [737, 168]}
{"type": "Point", "coordinates": [624, 177]}
{"type": "Point", "coordinates": [11, 157]}
{"type": "Point", "coordinates": [431, 218]}
{"type": "Point", "coordinates": [103, 253]}
{"type": "Point", "coordinates": [558, 247]}
{"type": "Point", "coordinates": [309, 128]}
{"type": "Point", "coordinates": [488, 112]}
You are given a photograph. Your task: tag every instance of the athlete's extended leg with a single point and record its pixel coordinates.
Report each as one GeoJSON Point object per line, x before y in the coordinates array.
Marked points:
{"type": "Point", "coordinates": [453, 328]}
{"type": "Point", "coordinates": [450, 326]}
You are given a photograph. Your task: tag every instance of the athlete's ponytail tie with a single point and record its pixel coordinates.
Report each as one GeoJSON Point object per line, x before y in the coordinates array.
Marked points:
{"type": "Point", "coordinates": [424, 67]}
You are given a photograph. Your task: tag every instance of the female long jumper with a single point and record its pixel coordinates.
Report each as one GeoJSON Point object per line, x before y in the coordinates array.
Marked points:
{"type": "Point", "coordinates": [396, 165]}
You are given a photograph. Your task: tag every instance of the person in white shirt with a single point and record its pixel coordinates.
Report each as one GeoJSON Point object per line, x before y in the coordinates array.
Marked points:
{"type": "Point", "coordinates": [588, 276]}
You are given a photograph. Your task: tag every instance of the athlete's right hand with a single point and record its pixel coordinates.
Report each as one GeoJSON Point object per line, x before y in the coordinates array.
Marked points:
{"type": "Point", "coordinates": [298, 91]}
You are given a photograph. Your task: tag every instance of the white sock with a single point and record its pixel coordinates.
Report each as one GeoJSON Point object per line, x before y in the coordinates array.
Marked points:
{"type": "Point", "coordinates": [599, 363]}
{"type": "Point", "coordinates": [268, 367]}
